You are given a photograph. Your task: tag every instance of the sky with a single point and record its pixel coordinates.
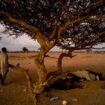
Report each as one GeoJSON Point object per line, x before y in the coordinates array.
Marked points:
{"type": "Point", "coordinates": [16, 44]}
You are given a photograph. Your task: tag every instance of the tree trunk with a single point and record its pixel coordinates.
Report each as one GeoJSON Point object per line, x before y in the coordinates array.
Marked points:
{"type": "Point", "coordinates": [54, 76]}
{"type": "Point", "coordinates": [45, 45]}
{"type": "Point", "coordinates": [41, 72]}
{"type": "Point", "coordinates": [62, 55]}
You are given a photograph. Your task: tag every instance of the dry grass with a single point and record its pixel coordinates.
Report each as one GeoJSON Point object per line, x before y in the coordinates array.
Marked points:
{"type": "Point", "coordinates": [16, 91]}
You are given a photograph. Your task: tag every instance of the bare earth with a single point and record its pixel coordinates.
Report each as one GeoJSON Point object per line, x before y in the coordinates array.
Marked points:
{"type": "Point", "coordinates": [16, 91]}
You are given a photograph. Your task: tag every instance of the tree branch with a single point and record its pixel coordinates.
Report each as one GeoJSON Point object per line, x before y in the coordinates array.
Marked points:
{"type": "Point", "coordinates": [79, 19]}
{"type": "Point", "coordinates": [43, 40]}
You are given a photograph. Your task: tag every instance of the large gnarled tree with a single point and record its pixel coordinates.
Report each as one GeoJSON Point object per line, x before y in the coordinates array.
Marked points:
{"type": "Point", "coordinates": [55, 22]}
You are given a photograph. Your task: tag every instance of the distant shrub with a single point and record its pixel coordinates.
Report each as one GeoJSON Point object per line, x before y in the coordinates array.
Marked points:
{"type": "Point", "coordinates": [25, 49]}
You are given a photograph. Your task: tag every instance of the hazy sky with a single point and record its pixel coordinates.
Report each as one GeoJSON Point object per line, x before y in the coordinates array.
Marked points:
{"type": "Point", "coordinates": [14, 44]}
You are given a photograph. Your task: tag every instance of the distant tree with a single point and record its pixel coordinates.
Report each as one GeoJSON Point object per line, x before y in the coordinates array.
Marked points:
{"type": "Point", "coordinates": [69, 24]}
{"type": "Point", "coordinates": [25, 49]}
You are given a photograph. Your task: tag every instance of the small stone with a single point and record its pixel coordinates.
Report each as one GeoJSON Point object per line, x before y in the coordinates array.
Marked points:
{"type": "Point", "coordinates": [97, 78]}
{"type": "Point", "coordinates": [53, 98]}
{"type": "Point", "coordinates": [24, 90]}
{"type": "Point", "coordinates": [74, 99]}
{"type": "Point", "coordinates": [64, 102]}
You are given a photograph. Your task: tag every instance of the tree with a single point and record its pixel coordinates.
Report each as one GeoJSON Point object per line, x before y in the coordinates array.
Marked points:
{"type": "Point", "coordinates": [25, 49]}
{"type": "Point", "coordinates": [55, 22]}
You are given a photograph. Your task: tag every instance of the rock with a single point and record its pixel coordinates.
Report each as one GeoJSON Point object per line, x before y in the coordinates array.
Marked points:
{"type": "Point", "coordinates": [53, 98]}
{"type": "Point", "coordinates": [25, 90]}
{"type": "Point", "coordinates": [74, 99]}
{"type": "Point", "coordinates": [64, 102]}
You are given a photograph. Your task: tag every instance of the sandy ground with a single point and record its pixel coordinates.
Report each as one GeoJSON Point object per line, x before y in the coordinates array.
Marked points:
{"type": "Point", "coordinates": [16, 91]}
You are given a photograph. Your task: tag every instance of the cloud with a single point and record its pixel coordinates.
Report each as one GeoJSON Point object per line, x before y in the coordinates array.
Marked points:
{"type": "Point", "coordinates": [15, 44]}
{"type": "Point", "coordinates": [12, 43]}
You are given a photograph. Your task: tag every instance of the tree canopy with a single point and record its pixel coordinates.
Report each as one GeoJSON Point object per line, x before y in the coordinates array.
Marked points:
{"type": "Point", "coordinates": [72, 22]}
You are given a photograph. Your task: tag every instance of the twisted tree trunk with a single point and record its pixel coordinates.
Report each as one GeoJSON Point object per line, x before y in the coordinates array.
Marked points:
{"type": "Point", "coordinates": [41, 72]}
{"type": "Point", "coordinates": [54, 76]}
{"type": "Point", "coordinates": [60, 59]}
{"type": "Point", "coordinates": [46, 45]}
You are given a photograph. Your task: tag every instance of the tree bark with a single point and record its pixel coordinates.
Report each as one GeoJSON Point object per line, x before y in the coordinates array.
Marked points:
{"type": "Point", "coordinates": [41, 72]}
{"type": "Point", "coordinates": [45, 45]}
{"type": "Point", "coordinates": [60, 59]}
{"type": "Point", "coordinates": [54, 76]}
